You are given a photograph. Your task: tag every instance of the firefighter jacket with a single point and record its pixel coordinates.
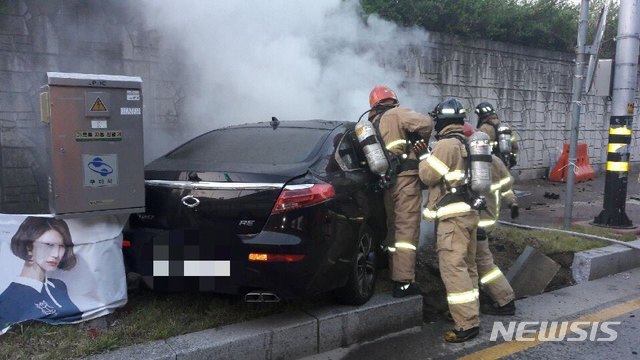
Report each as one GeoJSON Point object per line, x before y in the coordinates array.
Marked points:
{"type": "Point", "coordinates": [501, 182]}
{"type": "Point", "coordinates": [489, 126]}
{"type": "Point", "coordinates": [395, 125]}
{"type": "Point", "coordinates": [442, 171]}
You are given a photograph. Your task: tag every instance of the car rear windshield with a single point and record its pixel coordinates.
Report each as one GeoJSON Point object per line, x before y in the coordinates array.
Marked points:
{"type": "Point", "coordinates": [252, 145]}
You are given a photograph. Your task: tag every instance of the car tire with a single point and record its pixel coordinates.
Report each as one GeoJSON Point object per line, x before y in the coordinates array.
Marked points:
{"type": "Point", "coordinates": [363, 271]}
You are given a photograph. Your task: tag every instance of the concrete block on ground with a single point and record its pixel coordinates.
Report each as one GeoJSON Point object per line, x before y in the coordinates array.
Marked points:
{"type": "Point", "coordinates": [100, 323]}
{"type": "Point", "coordinates": [340, 326]}
{"type": "Point", "coordinates": [156, 350]}
{"type": "Point", "coordinates": [597, 263]}
{"type": "Point", "coordinates": [531, 273]}
{"type": "Point", "coordinates": [283, 336]}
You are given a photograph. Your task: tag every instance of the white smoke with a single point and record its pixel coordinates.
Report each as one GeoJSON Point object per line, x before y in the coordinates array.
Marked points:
{"type": "Point", "coordinates": [250, 60]}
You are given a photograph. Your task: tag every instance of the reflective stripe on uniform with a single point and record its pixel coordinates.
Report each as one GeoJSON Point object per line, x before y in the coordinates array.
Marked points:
{"type": "Point", "coordinates": [391, 249]}
{"type": "Point", "coordinates": [463, 297]}
{"type": "Point", "coordinates": [453, 208]}
{"type": "Point", "coordinates": [395, 143]}
{"type": "Point", "coordinates": [504, 181]}
{"type": "Point", "coordinates": [405, 245]}
{"type": "Point", "coordinates": [437, 165]}
{"type": "Point", "coordinates": [485, 223]}
{"type": "Point", "coordinates": [454, 175]}
{"type": "Point", "coordinates": [507, 192]}
{"type": "Point", "coordinates": [491, 276]}
{"type": "Point", "coordinates": [429, 214]}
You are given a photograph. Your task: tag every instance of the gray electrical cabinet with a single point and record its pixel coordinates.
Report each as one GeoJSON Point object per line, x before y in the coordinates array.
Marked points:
{"type": "Point", "coordinates": [95, 143]}
{"type": "Point", "coordinates": [603, 78]}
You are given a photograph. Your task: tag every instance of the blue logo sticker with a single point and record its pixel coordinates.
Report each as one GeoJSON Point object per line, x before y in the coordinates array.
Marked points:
{"type": "Point", "coordinates": [98, 166]}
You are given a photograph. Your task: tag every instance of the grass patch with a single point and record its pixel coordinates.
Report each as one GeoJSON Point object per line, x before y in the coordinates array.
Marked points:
{"type": "Point", "coordinates": [147, 316]}
{"type": "Point", "coordinates": [551, 242]}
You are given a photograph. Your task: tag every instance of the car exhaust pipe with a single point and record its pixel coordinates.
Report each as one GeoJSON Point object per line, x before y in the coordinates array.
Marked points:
{"type": "Point", "coordinates": [261, 297]}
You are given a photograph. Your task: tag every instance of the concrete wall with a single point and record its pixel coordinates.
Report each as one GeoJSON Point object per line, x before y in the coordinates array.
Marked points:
{"type": "Point", "coordinates": [530, 87]}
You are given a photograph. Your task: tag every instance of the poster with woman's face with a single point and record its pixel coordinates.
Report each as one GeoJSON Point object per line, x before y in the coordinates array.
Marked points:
{"type": "Point", "coordinates": [60, 270]}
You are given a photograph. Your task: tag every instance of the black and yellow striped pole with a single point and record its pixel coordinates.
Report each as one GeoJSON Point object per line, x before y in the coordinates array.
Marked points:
{"type": "Point", "coordinates": [615, 186]}
{"type": "Point", "coordinates": [622, 111]}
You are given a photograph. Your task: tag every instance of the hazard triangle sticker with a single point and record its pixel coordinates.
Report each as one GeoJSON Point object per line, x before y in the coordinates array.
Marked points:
{"type": "Point", "coordinates": [98, 105]}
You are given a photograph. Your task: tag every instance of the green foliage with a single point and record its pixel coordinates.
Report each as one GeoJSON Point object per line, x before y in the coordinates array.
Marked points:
{"type": "Point", "coordinates": [148, 316]}
{"type": "Point", "coordinates": [552, 242]}
{"type": "Point", "coordinates": [548, 24]}
{"type": "Point", "coordinates": [608, 46]}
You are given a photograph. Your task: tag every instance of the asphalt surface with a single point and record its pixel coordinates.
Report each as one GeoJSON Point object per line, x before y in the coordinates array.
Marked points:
{"type": "Point", "coordinates": [540, 210]}
{"type": "Point", "coordinates": [624, 347]}
{"type": "Point", "coordinates": [615, 298]}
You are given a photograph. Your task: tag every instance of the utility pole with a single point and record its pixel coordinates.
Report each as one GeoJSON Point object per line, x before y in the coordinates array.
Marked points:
{"type": "Point", "coordinates": [578, 86]}
{"type": "Point", "coordinates": [622, 112]}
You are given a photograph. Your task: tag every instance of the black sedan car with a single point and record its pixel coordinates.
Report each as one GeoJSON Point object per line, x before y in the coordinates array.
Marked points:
{"type": "Point", "coordinates": [268, 210]}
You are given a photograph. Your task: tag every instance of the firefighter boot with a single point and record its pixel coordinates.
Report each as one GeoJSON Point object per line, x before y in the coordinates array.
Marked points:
{"type": "Point", "coordinates": [402, 289]}
{"type": "Point", "coordinates": [491, 308]}
{"type": "Point", "coordinates": [458, 336]}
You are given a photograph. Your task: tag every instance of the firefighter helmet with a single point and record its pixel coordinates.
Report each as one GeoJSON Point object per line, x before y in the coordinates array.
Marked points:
{"type": "Point", "coordinates": [380, 93]}
{"type": "Point", "coordinates": [485, 109]}
{"type": "Point", "coordinates": [468, 129]}
{"type": "Point", "coordinates": [449, 109]}
{"type": "Point", "coordinates": [448, 112]}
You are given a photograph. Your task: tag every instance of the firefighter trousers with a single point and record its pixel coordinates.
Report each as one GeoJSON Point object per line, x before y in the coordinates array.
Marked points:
{"type": "Point", "coordinates": [456, 246]}
{"type": "Point", "coordinates": [492, 280]}
{"type": "Point", "coordinates": [402, 202]}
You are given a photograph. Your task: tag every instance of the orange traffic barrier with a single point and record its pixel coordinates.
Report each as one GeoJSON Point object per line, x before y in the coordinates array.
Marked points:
{"type": "Point", "coordinates": [584, 171]}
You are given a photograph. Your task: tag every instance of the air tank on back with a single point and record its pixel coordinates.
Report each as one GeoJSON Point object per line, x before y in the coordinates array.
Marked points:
{"type": "Point", "coordinates": [373, 151]}
{"type": "Point", "coordinates": [504, 139]}
{"type": "Point", "coordinates": [480, 148]}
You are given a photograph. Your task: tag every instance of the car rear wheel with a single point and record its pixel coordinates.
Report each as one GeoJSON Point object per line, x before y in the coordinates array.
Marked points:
{"type": "Point", "coordinates": [363, 272]}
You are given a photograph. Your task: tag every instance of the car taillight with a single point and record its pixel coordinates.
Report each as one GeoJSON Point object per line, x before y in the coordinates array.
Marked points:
{"type": "Point", "coordinates": [298, 196]}
{"type": "Point", "coordinates": [262, 257]}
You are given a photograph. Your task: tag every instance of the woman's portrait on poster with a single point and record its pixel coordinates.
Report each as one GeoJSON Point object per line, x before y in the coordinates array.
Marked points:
{"type": "Point", "coordinates": [45, 245]}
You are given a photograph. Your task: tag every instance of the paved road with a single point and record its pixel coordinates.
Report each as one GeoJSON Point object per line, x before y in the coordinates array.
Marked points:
{"type": "Point", "coordinates": [615, 298]}
{"type": "Point", "coordinates": [626, 345]}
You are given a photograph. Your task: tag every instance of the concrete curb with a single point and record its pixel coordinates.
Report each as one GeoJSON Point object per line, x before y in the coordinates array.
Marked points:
{"type": "Point", "coordinates": [286, 336]}
{"type": "Point", "coordinates": [597, 263]}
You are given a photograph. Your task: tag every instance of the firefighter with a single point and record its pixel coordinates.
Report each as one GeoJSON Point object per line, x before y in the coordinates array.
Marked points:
{"type": "Point", "coordinates": [489, 123]}
{"type": "Point", "coordinates": [397, 126]}
{"type": "Point", "coordinates": [444, 171]}
{"type": "Point", "coordinates": [499, 298]}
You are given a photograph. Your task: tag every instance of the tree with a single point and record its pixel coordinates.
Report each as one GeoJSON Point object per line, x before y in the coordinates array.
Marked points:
{"type": "Point", "coordinates": [548, 24]}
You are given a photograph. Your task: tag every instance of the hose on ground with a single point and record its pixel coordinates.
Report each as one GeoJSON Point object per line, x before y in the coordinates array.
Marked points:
{"type": "Point", "coordinates": [574, 233]}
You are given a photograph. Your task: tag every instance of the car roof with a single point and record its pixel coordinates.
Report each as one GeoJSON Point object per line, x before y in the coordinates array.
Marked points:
{"type": "Point", "coordinates": [308, 124]}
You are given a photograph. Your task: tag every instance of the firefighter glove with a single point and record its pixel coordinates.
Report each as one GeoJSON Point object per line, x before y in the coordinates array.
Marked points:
{"type": "Point", "coordinates": [421, 149]}
{"type": "Point", "coordinates": [513, 160]}
{"type": "Point", "coordinates": [515, 211]}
